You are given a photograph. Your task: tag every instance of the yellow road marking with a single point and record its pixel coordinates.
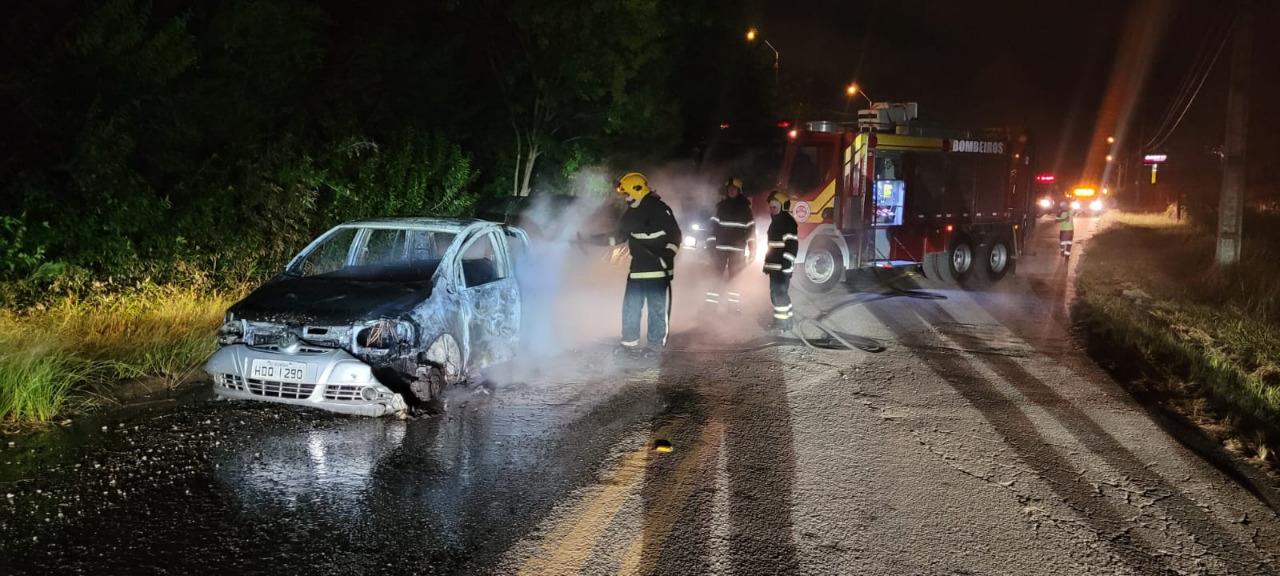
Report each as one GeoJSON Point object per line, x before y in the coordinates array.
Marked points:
{"type": "Point", "coordinates": [569, 545]}
{"type": "Point", "coordinates": [662, 517]}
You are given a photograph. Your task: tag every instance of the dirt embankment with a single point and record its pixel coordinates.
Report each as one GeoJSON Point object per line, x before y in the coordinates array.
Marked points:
{"type": "Point", "coordinates": [1200, 340]}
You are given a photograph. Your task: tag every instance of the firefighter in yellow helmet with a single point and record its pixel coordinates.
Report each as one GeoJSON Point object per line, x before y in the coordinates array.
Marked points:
{"type": "Point", "coordinates": [733, 229]}
{"type": "Point", "coordinates": [653, 238]}
{"type": "Point", "coordinates": [779, 260]}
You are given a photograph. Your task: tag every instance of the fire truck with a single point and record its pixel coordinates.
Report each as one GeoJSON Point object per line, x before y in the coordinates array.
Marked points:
{"type": "Point", "coordinates": [886, 192]}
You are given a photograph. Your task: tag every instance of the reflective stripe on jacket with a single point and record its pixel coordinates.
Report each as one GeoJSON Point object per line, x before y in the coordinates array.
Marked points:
{"type": "Point", "coordinates": [784, 244]}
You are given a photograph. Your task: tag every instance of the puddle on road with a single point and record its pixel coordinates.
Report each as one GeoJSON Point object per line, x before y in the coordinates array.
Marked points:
{"type": "Point", "coordinates": [248, 486]}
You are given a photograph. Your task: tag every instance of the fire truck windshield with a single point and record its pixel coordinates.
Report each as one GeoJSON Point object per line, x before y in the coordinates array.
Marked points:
{"type": "Point", "coordinates": [810, 168]}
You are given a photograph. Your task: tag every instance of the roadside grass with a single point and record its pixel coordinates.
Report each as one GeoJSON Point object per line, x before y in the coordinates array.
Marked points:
{"type": "Point", "coordinates": [75, 349]}
{"type": "Point", "coordinates": [1148, 283]}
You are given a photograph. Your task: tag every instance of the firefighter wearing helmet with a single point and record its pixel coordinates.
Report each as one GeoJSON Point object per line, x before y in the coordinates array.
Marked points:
{"type": "Point", "coordinates": [733, 229]}
{"type": "Point", "coordinates": [779, 261]}
{"type": "Point", "coordinates": [653, 238]}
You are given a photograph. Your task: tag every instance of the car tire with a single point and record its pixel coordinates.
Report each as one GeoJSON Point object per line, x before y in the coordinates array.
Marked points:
{"type": "Point", "coordinates": [441, 368]}
{"type": "Point", "coordinates": [428, 389]}
{"type": "Point", "coordinates": [823, 267]}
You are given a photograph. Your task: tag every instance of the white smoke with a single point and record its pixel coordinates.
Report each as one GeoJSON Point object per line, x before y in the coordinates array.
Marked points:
{"type": "Point", "coordinates": [573, 290]}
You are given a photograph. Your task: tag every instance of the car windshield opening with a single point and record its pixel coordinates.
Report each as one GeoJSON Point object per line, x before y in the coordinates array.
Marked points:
{"type": "Point", "coordinates": [376, 254]}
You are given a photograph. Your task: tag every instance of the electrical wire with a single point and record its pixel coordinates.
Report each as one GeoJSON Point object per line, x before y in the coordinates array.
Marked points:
{"type": "Point", "coordinates": [1159, 139]}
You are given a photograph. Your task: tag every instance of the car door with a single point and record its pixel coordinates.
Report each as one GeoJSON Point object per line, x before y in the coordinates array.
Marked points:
{"type": "Point", "coordinates": [491, 296]}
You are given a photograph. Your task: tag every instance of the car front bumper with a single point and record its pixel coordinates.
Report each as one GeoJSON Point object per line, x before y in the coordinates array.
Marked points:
{"type": "Point", "coordinates": [334, 380]}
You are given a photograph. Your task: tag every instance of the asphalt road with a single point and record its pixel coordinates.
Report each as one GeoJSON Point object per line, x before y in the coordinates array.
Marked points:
{"type": "Point", "coordinates": [982, 440]}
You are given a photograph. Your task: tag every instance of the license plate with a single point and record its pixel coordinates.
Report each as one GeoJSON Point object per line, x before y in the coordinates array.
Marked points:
{"type": "Point", "coordinates": [278, 370]}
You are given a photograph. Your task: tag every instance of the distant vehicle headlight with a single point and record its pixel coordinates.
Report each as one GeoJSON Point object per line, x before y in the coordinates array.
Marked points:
{"type": "Point", "coordinates": [690, 241]}
{"type": "Point", "coordinates": [1075, 204]}
{"type": "Point", "coordinates": [1046, 203]}
{"type": "Point", "coordinates": [1096, 205]}
{"type": "Point", "coordinates": [696, 226]}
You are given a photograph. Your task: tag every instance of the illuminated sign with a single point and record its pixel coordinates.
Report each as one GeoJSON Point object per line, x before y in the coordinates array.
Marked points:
{"type": "Point", "coordinates": [1154, 158]}
{"type": "Point", "coordinates": [977, 146]}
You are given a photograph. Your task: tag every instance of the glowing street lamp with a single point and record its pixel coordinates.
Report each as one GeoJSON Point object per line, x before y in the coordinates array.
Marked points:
{"type": "Point", "coordinates": [853, 89]}
{"type": "Point", "coordinates": [752, 34]}
{"type": "Point", "coordinates": [1111, 139]}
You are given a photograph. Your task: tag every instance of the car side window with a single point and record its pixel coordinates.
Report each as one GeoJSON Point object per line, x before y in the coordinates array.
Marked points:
{"type": "Point", "coordinates": [481, 263]}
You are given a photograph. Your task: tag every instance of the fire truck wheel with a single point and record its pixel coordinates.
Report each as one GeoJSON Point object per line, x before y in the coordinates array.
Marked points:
{"type": "Point", "coordinates": [937, 267]}
{"type": "Point", "coordinates": [959, 260]}
{"type": "Point", "coordinates": [997, 259]}
{"type": "Point", "coordinates": [823, 267]}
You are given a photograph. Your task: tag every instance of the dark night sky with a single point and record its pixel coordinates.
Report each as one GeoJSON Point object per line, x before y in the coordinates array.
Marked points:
{"type": "Point", "coordinates": [1038, 64]}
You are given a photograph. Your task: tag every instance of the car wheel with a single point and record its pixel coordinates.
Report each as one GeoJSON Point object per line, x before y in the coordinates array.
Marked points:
{"type": "Point", "coordinates": [444, 352]}
{"type": "Point", "coordinates": [429, 387]}
{"type": "Point", "coordinates": [823, 267]}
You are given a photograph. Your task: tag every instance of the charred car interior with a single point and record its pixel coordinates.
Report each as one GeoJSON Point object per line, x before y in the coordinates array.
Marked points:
{"type": "Point", "coordinates": [376, 316]}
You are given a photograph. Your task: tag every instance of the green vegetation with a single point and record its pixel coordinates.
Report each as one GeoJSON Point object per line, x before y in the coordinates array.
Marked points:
{"type": "Point", "coordinates": [141, 135]}
{"type": "Point", "coordinates": [88, 344]}
{"type": "Point", "coordinates": [1148, 283]}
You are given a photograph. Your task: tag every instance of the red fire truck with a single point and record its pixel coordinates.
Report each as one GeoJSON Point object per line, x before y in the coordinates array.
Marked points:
{"type": "Point", "coordinates": [885, 192]}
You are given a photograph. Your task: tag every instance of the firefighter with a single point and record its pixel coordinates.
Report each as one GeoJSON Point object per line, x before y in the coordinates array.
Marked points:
{"type": "Point", "coordinates": [732, 233]}
{"type": "Point", "coordinates": [1066, 227]}
{"type": "Point", "coordinates": [779, 261]}
{"type": "Point", "coordinates": [653, 238]}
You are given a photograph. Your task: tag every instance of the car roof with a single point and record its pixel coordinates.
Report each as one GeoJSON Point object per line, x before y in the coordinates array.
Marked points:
{"type": "Point", "coordinates": [454, 225]}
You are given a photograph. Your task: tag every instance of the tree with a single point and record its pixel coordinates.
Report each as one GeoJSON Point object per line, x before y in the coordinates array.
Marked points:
{"type": "Point", "coordinates": [569, 70]}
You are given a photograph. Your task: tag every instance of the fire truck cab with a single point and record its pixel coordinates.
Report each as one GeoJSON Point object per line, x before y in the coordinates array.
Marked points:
{"type": "Point", "coordinates": [886, 193]}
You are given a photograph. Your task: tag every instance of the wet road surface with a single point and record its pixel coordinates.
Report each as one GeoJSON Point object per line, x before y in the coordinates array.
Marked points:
{"type": "Point", "coordinates": [981, 441]}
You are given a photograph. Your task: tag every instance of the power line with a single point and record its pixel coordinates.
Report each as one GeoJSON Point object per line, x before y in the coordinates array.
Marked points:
{"type": "Point", "coordinates": [1159, 139]}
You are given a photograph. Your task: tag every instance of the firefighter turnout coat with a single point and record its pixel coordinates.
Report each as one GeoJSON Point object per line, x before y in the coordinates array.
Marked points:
{"type": "Point", "coordinates": [733, 227]}
{"type": "Point", "coordinates": [784, 244]}
{"type": "Point", "coordinates": [653, 237]}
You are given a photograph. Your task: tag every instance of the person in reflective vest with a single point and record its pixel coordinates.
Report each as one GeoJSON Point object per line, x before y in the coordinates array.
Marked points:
{"type": "Point", "coordinates": [653, 237]}
{"type": "Point", "coordinates": [779, 260]}
{"type": "Point", "coordinates": [1066, 227]}
{"type": "Point", "coordinates": [733, 230]}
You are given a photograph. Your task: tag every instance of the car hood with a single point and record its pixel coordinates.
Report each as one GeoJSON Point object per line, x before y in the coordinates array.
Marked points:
{"type": "Point", "coordinates": [330, 301]}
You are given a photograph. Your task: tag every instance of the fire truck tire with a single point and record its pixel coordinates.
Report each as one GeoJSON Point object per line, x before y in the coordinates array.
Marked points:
{"type": "Point", "coordinates": [937, 267]}
{"type": "Point", "coordinates": [996, 259]}
{"type": "Point", "coordinates": [823, 267]}
{"type": "Point", "coordinates": [958, 262]}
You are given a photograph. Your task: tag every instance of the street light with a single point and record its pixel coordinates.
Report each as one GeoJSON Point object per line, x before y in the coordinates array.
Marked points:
{"type": "Point", "coordinates": [853, 89]}
{"type": "Point", "coordinates": [1111, 139]}
{"type": "Point", "coordinates": [1108, 157]}
{"type": "Point", "coordinates": [752, 34]}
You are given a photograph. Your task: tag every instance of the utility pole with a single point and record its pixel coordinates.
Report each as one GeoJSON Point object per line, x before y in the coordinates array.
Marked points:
{"type": "Point", "coordinates": [1231, 202]}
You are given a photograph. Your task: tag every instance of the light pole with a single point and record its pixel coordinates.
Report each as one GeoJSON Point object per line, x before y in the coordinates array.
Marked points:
{"type": "Point", "coordinates": [853, 89]}
{"type": "Point", "coordinates": [752, 34]}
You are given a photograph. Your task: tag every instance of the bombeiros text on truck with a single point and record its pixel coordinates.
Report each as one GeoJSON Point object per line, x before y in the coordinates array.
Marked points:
{"type": "Point", "coordinates": [889, 192]}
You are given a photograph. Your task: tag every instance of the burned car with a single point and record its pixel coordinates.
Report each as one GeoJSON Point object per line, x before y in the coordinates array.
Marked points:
{"type": "Point", "coordinates": [376, 312]}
